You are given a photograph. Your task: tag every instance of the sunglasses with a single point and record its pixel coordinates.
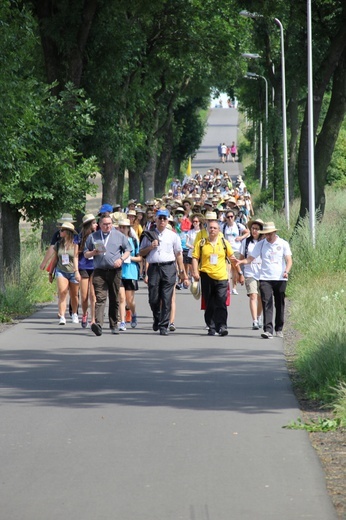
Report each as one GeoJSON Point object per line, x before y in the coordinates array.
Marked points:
{"type": "Point", "coordinates": [255, 228]}
{"type": "Point", "coordinates": [229, 216]}
{"type": "Point", "coordinates": [195, 222]}
{"type": "Point", "coordinates": [162, 218]}
{"type": "Point", "coordinates": [180, 215]}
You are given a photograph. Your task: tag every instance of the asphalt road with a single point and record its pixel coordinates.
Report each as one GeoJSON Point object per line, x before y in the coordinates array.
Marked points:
{"type": "Point", "coordinates": [144, 427]}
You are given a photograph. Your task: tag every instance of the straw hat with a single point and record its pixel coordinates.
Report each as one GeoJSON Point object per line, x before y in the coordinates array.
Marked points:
{"type": "Point", "coordinates": [124, 222]}
{"type": "Point", "coordinates": [195, 289]}
{"type": "Point", "coordinates": [132, 212]}
{"type": "Point", "coordinates": [210, 215]}
{"type": "Point", "coordinates": [89, 217]}
{"type": "Point", "coordinates": [65, 217]}
{"type": "Point", "coordinates": [268, 227]}
{"type": "Point", "coordinates": [70, 227]}
{"type": "Point", "coordinates": [255, 221]}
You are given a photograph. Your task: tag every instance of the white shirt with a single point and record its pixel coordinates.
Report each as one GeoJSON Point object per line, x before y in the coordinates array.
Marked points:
{"type": "Point", "coordinates": [273, 258]}
{"type": "Point", "coordinates": [169, 246]}
{"type": "Point", "coordinates": [251, 270]}
{"type": "Point", "coordinates": [231, 233]}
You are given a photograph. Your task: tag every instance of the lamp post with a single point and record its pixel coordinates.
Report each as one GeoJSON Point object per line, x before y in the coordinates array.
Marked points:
{"type": "Point", "coordinates": [252, 75]}
{"type": "Point", "coordinates": [247, 14]}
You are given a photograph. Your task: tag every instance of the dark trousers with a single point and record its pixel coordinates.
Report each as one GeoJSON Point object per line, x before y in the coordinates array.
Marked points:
{"type": "Point", "coordinates": [273, 293]}
{"type": "Point", "coordinates": [214, 294]}
{"type": "Point", "coordinates": [106, 282]}
{"type": "Point", "coordinates": [161, 283]}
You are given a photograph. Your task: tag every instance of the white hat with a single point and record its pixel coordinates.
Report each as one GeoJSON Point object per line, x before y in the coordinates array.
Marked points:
{"type": "Point", "coordinates": [268, 227]}
{"type": "Point", "coordinates": [195, 289]}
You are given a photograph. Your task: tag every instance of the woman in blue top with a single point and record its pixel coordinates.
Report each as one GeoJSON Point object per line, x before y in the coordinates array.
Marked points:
{"type": "Point", "coordinates": [130, 275]}
{"type": "Point", "coordinates": [86, 270]}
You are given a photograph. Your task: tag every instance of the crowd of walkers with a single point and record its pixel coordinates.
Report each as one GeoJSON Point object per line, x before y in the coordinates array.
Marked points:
{"type": "Point", "coordinates": [201, 232]}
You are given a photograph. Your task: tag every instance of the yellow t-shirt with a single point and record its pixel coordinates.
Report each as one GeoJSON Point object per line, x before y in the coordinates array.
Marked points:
{"type": "Point", "coordinates": [213, 261]}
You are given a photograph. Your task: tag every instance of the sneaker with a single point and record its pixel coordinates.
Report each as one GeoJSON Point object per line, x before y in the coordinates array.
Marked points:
{"type": "Point", "coordinates": [223, 331]}
{"type": "Point", "coordinates": [267, 335]}
{"type": "Point", "coordinates": [85, 321]}
{"type": "Point", "coordinates": [163, 332]}
{"type": "Point", "coordinates": [74, 318]}
{"type": "Point", "coordinates": [128, 316]}
{"type": "Point", "coordinates": [234, 291]}
{"type": "Point", "coordinates": [122, 326]}
{"type": "Point", "coordinates": [115, 330]}
{"type": "Point", "coordinates": [260, 321]}
{"type": "Point", "coordinates": [279, 334]}
{"type": "Point", "coordinates": [134, 321]}
{"type": "Point", "coordinates": [97, 329]}
{"type": "Point", "coordinates": [172, 327]}
{"type": "Point", "coordinates": [255, 325]}
{"type": "Point", "coordinates": [62, 320]}
{"type": "Point", "coordinates": [211, 332]}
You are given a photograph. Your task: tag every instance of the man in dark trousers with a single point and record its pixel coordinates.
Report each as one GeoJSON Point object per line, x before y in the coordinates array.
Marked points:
{"type": "Point", "coordinates": [162, 254]}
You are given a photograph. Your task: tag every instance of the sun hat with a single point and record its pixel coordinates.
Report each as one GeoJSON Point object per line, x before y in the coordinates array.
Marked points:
{"type": "Point", "coordinates": [106, 208]}
{"type": "Point", "coordinates": [255, 221]}
{"type": "Point", "coordinates": [124, 222]}
{"type": "Point", "coordinates": [179, 209]}
{"type": "Point", "coordinates": [65, 217]}
{"type": "Point", "coordinates": [195, 289]}
{"type": "Point", "coordinates": [268, 227]}
{"type": "Point", "coordinates": [210, 215]}
{"type": "Point", "coordinates": [189, 201]}
{"type": "Point", "coordinates": [162, 212]}
{"type": "Point", "coordinates": [131, 201]}
{"type": "Point", "coordinates": [70, 227]}
{"type": "Point", "coordinates": [89, 217]}
{"type": "Point", "coordinates": [132, 212]}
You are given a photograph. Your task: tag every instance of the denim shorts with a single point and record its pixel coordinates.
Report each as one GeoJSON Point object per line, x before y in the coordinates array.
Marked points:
{"type": "Point", "coordinates": [69, 276]}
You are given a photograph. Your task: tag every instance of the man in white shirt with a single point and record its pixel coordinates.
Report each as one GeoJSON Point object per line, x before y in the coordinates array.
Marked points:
{"type": "Point", "coordinates": [162, 254]}
{"type": "Point", "coordinates": [276, 264]}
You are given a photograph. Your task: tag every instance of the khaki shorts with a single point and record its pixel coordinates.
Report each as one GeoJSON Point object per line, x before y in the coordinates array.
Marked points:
{"type": "Point", "coordinates": [252, 286]}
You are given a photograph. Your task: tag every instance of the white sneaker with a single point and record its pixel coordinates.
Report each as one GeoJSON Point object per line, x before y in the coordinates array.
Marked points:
{"type": "Point", "coordinates": [74, 318]}
{"type": "Point", "coordinates": [260, 321]}
{"type": "Point", "coordinates": [234, 291]}
{"type": "Point", "coordinates": [255, 325]}
{"type": "Point", "coordinates": [122, 326]}
{"type": "Point", "coordinates": [279, 334]}
{"type": "Point", "coordinates": [62, 320]}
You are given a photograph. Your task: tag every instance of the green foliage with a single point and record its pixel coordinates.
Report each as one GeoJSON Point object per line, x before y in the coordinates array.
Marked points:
{"type": "Point", "coordinates": [320, 425]}
{"type": "Point", "coordinates": [336, 173]}
{"type": "Point", "coordinates": [317, 291]}
{"type": "Point", "coordinates": [339, 404]}
{"type": "Point", "coordinates": [19, 300]}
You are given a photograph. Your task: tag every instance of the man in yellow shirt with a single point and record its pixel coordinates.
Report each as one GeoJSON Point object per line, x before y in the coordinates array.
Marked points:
{"type": "Point", "coordinates": [209, 264]}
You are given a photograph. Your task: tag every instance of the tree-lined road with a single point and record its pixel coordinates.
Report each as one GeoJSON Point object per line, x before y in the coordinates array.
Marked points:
{"type": "Point", "coordinates": [144, 427]}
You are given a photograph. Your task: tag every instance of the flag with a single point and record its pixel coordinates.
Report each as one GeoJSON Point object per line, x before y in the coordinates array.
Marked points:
{"type": "Point", "coordinates": [189, 169]}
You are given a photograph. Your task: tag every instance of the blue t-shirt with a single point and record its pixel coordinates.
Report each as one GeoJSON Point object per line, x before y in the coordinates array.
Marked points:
{"type": "Point", "coordinates": [130, 269]}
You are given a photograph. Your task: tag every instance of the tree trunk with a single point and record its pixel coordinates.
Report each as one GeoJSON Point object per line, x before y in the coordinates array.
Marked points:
{"type": "Point", "coordinates": [134, 185]}
{"type": "Point", "coordinates": [11, 241]}
{"type": "Point", "coordinates": [329, 133]}
{"type": "Point", "coordinates": [109, 182]}
{"type": "Point", "coordinates": [293, 144]}
{"type": "Point", "coordinates": [148, 176]}
{"type": "Point", "coordinates": [162, 171]}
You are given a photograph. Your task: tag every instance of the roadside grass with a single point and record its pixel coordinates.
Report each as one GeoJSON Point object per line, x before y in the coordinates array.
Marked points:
{"type": "Point", "coordinates": [20, 300]}
{"type": "Point", "coordinates": [317, 293]}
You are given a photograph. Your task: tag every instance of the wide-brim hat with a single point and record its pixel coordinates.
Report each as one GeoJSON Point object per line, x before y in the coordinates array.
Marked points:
{"type": "Point", "coordinates": [195, 289]}
{"type": "Point", "coordinates": [255, 221]}
{"type": "Point", "coordinates": [132, 201]}
{"type": "Point", "coordinates": [69, 226]}
{"type": "Point", "coordinates": [179, 209]}
{"type": "Point", "coordinates": [190, 201]}
{"type": "Point", "coordinates": [210, 215]}
{"type": "Point", "coordinates": [268, 227]}
{"type": "Point", "coordinates": [89, 217]}
{"type": "Point", "coordinates": [132, 212]}
{"type": "Point", "coordinates": [65, 217]}
{"type": "Point", "coordinates": [124, 222]}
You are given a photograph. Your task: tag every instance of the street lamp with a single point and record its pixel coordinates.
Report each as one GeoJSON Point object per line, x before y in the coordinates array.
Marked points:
{"type": "Point", "coordinates": [247, 14]}
{"type": "Point", "coordinates": [257, 76]}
